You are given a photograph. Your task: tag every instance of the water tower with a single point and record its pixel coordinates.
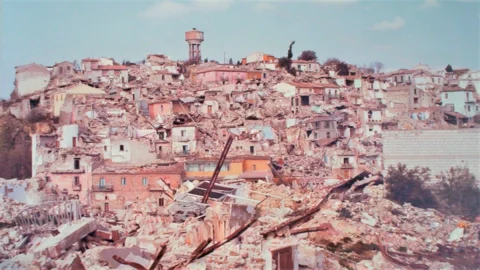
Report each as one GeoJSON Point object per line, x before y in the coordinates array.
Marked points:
{"type": "Point", "coordinates": [194, 39]}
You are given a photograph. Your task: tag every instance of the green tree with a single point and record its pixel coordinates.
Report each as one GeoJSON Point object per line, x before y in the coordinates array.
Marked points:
{"type": "Point", "coordinates": [308, 55]}
{"type": "Point", "coordinates": [458, 192]}
{"type": "Point", "coordinates": [449, 68]}
{"type": "Point", "coordinates": [342, 69]}
{"type": "Point", "coordinates": [332, 61]}
{"type": "Point", "coordinates": [408, 186]}
{"type": "Point", "coordinates": [284, 62]}
{"type": "Point", "coordinates": [230, 61]}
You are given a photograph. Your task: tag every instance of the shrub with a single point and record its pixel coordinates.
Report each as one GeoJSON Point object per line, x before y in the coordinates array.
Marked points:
{"type": "Point", "coordinates": [36, 115]}
{"type": "Point", "coordinates": [284, 62]}
{"type": "Point", "coordinates": [407, 186]}
{"type": "Point", "coordinates": [458, 192]}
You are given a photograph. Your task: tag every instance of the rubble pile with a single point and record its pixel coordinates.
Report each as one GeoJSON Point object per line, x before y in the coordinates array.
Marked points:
{"type": "Point", "coordinates": [353, 227]}
{"type": "Point", "coordinates": [9, 209]}
{"type": "Point", "coordinates": [190, 165]}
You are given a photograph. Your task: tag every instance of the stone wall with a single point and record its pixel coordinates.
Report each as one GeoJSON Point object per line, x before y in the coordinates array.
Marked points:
{"type": "Point", "coordinates": [437, 149]}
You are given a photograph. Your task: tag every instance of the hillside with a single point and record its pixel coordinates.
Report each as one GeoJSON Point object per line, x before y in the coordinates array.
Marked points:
{"type": "Point", "coordinates": [15, 148]}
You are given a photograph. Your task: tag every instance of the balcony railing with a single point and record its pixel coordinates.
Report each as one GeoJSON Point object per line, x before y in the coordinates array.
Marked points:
{"type": "Point", "coordinates": [104, 188]}
{"type": "Point", "coordinates": [77, 187]}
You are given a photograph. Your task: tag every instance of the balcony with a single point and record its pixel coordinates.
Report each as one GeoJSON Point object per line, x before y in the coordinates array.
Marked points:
{"type": "Point", "coordinates": [370, 120]}
{"type": "Point", "coordinates": [346, 166]}
{"type": "Point", "coordinates": [77, 187]}
{"type": "Point", "coordinates": [105, 188]}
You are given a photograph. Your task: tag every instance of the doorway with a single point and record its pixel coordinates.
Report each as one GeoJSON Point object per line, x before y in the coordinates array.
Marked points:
{"type": "Point", "coordinates": [106, 207]}
{"type": "Point", "coordinates": [283, 258]}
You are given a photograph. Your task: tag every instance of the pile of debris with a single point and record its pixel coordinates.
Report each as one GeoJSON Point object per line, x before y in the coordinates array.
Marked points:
{"type": "Point", "coordinates": [9, 209]}
{"type": "Point", "coordinates": [349, 225]}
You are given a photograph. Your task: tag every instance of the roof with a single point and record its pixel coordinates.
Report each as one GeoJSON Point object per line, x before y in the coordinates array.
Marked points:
{"type": "Point", "coordinates": [164, 72]}
{"type": "Point", "coordinates": [116, 67]}
{"type": "Point", "coordinates": [90, 60]}
{"type": "Point", "coordinates": [460, 72]}
{"type": "Point", "coordinates": [164, 100]}
{"type": "Point", "coordinates": [256, 174]}
{"type": "Point", "coordinates": [229, 159]}
{"type": "Point", "coordinates": [176, 169]}
{"type": "Point", "coordinates": [305, 62]}
{"type": "Point", "coordinates": [314, 85]}
{"type": "Point", "coordinates": [399, 87]}
{"type": "Point", "coordinates": [455, 88]}
{"type": "Point", "coordinates": [220, 68]}
{"type": "Point", "coordinates": [456, 114]}
{"type": "Point", "coordinates": [217, 192]}
{"type": "Point", "coordinates": [30, 66]}
{"type": "Point", "coordinates": [426, 109]}
{"type": "Point", "coordinates": [403, 71]}
{"type": "Point", "coordinates": [63, 62]}
{"type": "Point", "coordinates": [320, 118]}
{"type": "Point", "coordinates": [82, 89]}
{"type": "Point", "coordinates": [187, 99]}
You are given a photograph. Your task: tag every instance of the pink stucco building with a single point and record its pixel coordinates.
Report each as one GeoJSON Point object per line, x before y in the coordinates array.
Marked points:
{"type": "Point", "coordinates": [72, 175]}
{"type": "Point", "coordinates": [95, 72]}
{"type": "Point", "coordinates": [221, 74]}
{"type": "Point", "coordinates": [160, 108]}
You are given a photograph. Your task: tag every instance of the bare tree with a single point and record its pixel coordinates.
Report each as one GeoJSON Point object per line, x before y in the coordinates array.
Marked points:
{"type": "Point", "coordinates": [76, 66]}
{"type": "Point", "coordinates": [378, 66]}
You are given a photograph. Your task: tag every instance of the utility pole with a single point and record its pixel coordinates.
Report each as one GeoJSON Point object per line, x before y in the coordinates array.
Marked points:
{"type": "Point", "coordinates": [224, 58]}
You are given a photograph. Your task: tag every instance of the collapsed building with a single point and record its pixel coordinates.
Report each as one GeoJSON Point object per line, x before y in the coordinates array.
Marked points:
{"type": "Point", "coordinates": [213, 166]}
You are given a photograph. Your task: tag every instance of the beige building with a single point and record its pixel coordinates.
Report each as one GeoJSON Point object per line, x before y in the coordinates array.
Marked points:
{"type": "Point", "coordinates": [403, 99]}
{"type": "Point", "coordinates": [77, 90]}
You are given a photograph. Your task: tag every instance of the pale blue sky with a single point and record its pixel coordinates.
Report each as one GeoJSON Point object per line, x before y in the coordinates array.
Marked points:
{"type": "Point", "coordinates": [398, 33]}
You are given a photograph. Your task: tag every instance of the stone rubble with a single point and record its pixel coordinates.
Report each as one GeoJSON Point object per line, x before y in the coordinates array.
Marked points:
{"type": "Point", "coordinates": [315, 141]}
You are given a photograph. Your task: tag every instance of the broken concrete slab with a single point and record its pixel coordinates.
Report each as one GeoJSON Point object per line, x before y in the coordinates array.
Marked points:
{"type": "Point", "coordinates": [369, 220]}
{"type": "Point", "coordinates": [107, 254]}
{"type": "Point", "coordinates": [456, 235]}
{"type": "Point", "coordinates": [107, 234]}
{"type": "Point", "coordinates": [71, 262]}
{"type": "Point", "coordinates": [70, 234]}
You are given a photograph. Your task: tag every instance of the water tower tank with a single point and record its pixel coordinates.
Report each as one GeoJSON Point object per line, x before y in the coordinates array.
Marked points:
{"type": "Point", "coordinates": [194, 39]}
